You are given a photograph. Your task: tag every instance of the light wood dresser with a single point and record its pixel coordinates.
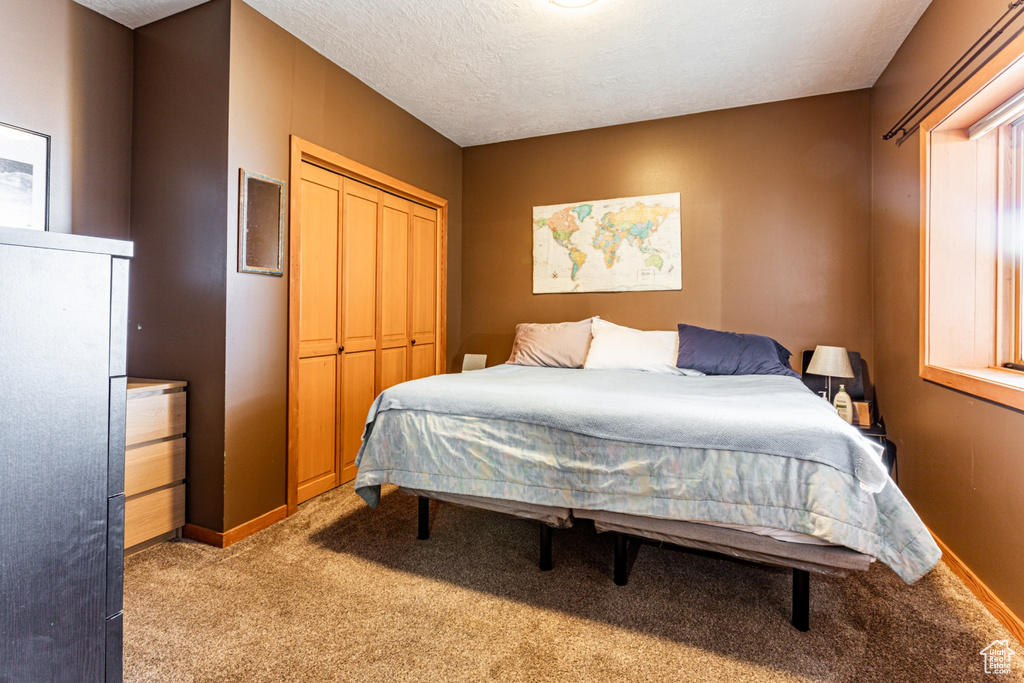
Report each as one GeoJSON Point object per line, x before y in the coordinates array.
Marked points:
{"type": "Point", "coordinates": [154, 470]}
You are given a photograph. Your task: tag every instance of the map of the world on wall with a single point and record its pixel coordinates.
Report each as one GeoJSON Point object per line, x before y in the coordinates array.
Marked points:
{"type": "Point", "coordinates": [611, 245]}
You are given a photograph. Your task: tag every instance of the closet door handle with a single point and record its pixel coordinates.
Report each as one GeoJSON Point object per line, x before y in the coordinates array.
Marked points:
{"type": "Point", "coordinates": [341, 349]}
{"type": "Point", "coordinates": [413, 341]}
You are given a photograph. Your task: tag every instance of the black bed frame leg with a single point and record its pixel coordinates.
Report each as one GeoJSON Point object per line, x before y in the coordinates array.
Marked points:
{"type": "Point", "coordinates": [621, 570]}
{"type": "Point", "coordinates": [801, 599]}
{"type": "Point", "coordinates": [424, 519]}
{"type": "Point", "coordinates": [545, 547]}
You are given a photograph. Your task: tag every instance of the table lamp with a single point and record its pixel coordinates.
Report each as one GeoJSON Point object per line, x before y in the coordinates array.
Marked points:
{"type": "Point", "coordinates": [830, 361]}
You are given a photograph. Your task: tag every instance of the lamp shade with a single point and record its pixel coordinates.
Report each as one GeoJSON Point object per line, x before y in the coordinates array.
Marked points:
{"type": "Point", "coordinates": [831, 361]}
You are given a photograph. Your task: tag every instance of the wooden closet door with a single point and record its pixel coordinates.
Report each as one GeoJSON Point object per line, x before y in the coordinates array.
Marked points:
{"type": "Point", "coordinates": [361, 211]}
{"type": "Point", "coordinates": [318, 371]}
{"type": "Point", "coordinates": [394, 292]}
{"type": "Point", "coordinates": [423, 292]}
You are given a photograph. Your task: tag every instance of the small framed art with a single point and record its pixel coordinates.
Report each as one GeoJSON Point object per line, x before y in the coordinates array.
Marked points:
{"type": "Point", "coordinates": [261, 202]}
{"type": "Point", "coordinates": [24, 178]}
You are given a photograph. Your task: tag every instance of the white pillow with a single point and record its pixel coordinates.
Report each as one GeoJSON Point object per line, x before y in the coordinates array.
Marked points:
{"type": "Point", "coordinates": [614, 347]}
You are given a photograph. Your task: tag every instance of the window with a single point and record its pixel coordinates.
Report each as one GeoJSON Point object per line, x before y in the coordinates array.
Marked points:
{"type": "Point", "coordinates": [972, 234]}
{"type": "Point", "coordinates": [1013, 239]}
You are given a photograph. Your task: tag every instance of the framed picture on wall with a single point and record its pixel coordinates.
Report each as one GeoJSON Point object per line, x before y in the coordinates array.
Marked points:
{"type": "Point", "coordinates": [24, 178]}
{"type": "Point", "coordinates": [628, 244]}
{"type": "Point", "coordinates": [261, 202]}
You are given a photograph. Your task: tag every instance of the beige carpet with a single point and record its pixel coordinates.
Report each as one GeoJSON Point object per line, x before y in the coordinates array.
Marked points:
{"type": "Point", "coordinates": [340, 592]}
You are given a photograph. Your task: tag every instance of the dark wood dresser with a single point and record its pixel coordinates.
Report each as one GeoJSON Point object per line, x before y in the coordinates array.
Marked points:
{"type": "Point", "coordinates": [63, 328]}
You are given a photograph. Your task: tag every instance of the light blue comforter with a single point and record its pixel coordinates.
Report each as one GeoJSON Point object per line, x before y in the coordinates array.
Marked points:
{"type": "Point", "coordinates": [743, 450]}
{"type": "Point", "coordinates": [754, 413]}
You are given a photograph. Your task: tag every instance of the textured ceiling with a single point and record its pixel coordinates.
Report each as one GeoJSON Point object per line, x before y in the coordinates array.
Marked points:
{"type": "Point", "coordinates": [481, 71]}
{"type": "Point", "coordinates": [135, 13]}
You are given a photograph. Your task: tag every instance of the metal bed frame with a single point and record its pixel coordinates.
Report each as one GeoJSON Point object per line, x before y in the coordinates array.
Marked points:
{"type": "Point", "coordinates": [732, 543]}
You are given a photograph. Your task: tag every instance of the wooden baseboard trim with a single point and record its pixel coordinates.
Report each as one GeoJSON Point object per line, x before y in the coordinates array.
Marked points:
{"type": "Point", "coordinates": [222, 539]}
{"type": "Point", "coordinates": [992, 603]}
{"type": "Point", "coordinates": [203, 535]}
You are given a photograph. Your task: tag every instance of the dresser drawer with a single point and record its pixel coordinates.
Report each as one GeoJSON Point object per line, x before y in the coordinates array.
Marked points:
{"type": "Point", "coordinates": [153, 466]}
{"type": "Point", "coordinates": [155, 416]}
{"type": "Point", "coordinates": [154, 513]}
{"type": "Point", "coordinates": [154, 460]}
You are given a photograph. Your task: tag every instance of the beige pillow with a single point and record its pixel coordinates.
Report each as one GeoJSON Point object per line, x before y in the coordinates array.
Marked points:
{"type": "Point", "coordinates": [552, 345]}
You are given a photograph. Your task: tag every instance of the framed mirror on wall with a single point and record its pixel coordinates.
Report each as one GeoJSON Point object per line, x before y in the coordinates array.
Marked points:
{"type": "Point", "coordinates": [24, 178]}
{"type": "Point", "coordinates": [261, 211]}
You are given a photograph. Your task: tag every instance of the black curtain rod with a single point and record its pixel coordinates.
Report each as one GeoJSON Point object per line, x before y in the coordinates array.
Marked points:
{"type": "Point", "coordinates": [954, 76]}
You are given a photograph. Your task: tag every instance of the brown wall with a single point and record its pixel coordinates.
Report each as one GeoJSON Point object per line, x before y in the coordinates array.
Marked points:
{"type": "Point", "coordinates": [280, 86]}
{"type": "Point", "coordinates": [177, 298]}
{"type": "Point", "coordinates": [66, 71]}
{"type": "Point", "coordinates": [220, 87]}
{"type": "Point", "coordinates": [775, 208]}
{"type": "Point", "coordinates": [960, 457]}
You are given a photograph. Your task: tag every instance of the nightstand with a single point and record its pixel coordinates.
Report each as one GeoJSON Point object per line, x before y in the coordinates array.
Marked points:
{"type": "Point", "coordinates": [859, 388]}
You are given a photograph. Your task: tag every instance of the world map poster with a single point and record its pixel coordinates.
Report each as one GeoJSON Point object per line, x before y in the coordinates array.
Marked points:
{"type": "Point", "coordinates": [612, 245]}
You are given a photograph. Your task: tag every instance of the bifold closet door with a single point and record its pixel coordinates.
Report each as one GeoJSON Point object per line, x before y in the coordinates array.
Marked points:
{"type": "Point", "coordinates": [361, 213]}
{"type": "Point", "coordinates": [394, 292]}
{"type": "Point", "coordinates": [368, 301]}
{"type": "Point", "coordinates": [423, 288]}
{"type": "Point", "coordinates": [319, 369]}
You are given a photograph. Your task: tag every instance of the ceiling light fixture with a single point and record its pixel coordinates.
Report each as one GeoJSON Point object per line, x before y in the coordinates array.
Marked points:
{"type": "Point", "coordinates": [572, 4]}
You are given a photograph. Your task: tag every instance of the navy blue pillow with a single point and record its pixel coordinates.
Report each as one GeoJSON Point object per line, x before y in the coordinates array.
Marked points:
{"type": "Point", "coordinates": [730, 353]}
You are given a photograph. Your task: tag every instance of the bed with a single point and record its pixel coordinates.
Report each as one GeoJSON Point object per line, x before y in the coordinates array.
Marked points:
{"type": "Point", "coordinates": [667, 457]}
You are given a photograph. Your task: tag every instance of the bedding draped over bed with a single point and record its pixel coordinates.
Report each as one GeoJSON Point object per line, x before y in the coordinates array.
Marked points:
{"type": "Point", "coordinates": [744, 450]}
